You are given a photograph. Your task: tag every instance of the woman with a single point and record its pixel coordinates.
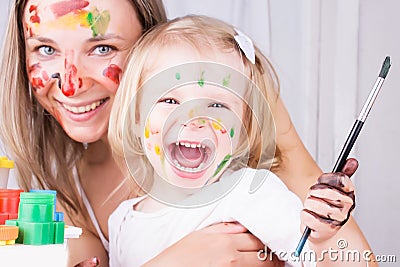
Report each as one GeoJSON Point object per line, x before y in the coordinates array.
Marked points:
{"type": "Point", "coordinates": [62, 61]}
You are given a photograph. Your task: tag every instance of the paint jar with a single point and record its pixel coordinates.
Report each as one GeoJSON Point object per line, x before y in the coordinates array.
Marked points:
{"type": "Point", "coordinates": [9, 203]}
{"type": "Point", "coordinates": [5, 166]}
{"type": "Point", "coordinates": [36, 220]}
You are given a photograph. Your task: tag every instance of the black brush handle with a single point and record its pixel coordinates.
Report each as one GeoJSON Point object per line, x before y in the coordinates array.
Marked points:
{"type": "Point", "coordinates": [340, 162]}
{"type": "Point", "coordinates": [351, 139]}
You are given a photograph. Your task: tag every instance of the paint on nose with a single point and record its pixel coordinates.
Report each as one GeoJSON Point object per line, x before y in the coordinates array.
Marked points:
{"type": "Point", "coordinates": [71, 81]}
{"type": "Point", "coordinates": [68, 88]}
{"type": "Point", "coordinates": [113, 72]}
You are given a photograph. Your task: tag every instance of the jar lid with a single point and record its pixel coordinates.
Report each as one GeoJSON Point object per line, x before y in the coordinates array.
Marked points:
{"type": "Point", "coordinates": [8, 232]}
{"type": "Point", "coordinates": [6, 163]}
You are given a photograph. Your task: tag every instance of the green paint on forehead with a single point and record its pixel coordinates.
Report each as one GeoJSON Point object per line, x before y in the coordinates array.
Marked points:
{"type": "Point", "coordinates": [178, 76]}
{"type": "Point", "coordinates": [201, 80]}
{"type": "Point", "coordinates": [98, 22]}
{"type": "Point", "coordinates": [222, 164]}
{"type": "Point", "coordinates": [226, 80]}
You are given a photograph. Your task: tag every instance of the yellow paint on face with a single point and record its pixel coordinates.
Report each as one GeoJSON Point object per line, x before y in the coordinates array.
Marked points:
{"type": "Point", "coordinates": [217, 125]}
{"type": "Point", "coordinates": [157, 150]}
{"type": "Point", "coordinates": [72, 20]}
{"type": "Point", "coordinates": [191, 113]}
{"type": "Point", "coordinates": [147, 130]}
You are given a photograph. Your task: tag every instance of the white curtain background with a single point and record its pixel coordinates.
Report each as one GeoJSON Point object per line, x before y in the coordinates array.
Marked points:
{"type": "Point", "coordinates": [328, 55]}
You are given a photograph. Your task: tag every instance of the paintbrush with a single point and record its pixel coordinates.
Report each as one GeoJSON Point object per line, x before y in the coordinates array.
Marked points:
{"type": "Point", "coordinates": [351, 139]}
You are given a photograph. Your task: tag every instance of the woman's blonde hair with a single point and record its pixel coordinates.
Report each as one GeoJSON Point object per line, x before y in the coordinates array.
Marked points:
{"type": "Point", "coordinates": [197, 32]}
{"type": "Point", "coordinates": [45, 156]}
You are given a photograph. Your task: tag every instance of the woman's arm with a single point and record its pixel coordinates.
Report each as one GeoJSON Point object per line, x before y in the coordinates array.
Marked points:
{"type": "Point", "coordinates": [220, 245]}
{"type": "Point", "coordinates": [299, 172]}
{"type": "Point", "coordinates": [85, 247]}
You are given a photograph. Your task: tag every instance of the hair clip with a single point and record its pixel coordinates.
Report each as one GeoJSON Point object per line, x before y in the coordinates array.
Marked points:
{"type": "Point", "coordinates": [246, 45]}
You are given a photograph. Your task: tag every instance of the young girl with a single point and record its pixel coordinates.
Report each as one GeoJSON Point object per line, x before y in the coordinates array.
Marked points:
{"type": "Point", "coordinates": [198, 136]}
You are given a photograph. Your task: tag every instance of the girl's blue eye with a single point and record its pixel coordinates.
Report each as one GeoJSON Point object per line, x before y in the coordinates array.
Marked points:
{"type": "Point", "coordinates": [217, 105]}
{"type": "Point", "coordinates": [46, 50]}
{"type": "Point", "coordinates": [102, 50]}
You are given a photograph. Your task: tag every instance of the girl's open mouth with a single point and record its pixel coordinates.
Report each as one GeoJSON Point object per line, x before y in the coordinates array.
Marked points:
{"type": "Point", "coordinates": [191, 157]}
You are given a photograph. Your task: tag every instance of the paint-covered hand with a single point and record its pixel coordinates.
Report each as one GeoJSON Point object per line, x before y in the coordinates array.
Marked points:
{"type": "Point", "coordinates": [329, 203]}
{"type": "Point", "coordinates": [92, 262]}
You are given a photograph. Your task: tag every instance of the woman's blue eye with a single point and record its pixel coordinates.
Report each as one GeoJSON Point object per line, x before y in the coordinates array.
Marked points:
{"type": "Point", "coordinates": [46, 50]}
{"type": "Point", "coordinates": [102, 50]}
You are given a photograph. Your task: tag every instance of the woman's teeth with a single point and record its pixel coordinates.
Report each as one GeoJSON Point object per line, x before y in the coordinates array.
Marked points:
{"type": "Point", "coordinates": [83, 109]}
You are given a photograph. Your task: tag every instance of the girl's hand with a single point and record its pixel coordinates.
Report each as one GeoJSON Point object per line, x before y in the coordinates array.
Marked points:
{"type": "Point", "coordinates": [329, 203]}
{"type": "Point", "coordinates": [219, 245]}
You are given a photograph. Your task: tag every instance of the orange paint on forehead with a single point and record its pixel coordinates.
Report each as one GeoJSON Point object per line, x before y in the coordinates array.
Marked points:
{"type": "Point", "coordinates": [34, 14]}
{"type": "Point", "coordinates": [64, 7]}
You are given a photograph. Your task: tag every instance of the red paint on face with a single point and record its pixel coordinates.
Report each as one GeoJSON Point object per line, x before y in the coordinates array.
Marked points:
{"type": "Point", "coordinates": [37, 82]}
{"type": "Point", "coordinates": [68, 88]}
{"type": "Point", "coordinates": [62, 8]}
{"type": "Point", "coordinates": [37, 76]}
{"type": "Point", "coordinates": [113, 72]}
{"type": "Point", "coordinates": [34, 17]}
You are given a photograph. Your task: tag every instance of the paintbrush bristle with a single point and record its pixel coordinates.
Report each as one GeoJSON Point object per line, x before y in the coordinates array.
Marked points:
{"type": "Point", "coordinates": [385, 67]}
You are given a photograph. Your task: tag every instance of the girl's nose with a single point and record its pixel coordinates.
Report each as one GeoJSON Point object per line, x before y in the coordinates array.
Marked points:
{"type": "Point", "coordinates": [196, 123]}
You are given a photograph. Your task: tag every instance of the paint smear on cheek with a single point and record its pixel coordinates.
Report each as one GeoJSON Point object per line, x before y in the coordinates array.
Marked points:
{"type": "Point", "coordinates": [217, 126]}
{"type": "Point", "coordinates": [64, 7]}
{"type": "Point", "coordinates": [147, 129]}
{"type": "Point", "coordinates": [38, 77]}
{"type": "Point", "coordinates": [113, 73]}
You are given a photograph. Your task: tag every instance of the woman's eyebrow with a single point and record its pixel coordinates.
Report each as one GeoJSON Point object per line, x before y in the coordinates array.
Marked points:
{"type": "Point", "coordinates": [104, 37]}
{"type": "Point", "coordinates": [41, 39]}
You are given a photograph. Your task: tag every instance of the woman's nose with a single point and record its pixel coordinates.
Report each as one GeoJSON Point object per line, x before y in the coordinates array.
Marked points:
{"type": "Point", "coordinates": [71, 80]}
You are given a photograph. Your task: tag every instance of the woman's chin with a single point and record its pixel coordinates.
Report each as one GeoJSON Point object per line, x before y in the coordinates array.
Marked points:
{"type": "Point", "coordinates": [85, 134]}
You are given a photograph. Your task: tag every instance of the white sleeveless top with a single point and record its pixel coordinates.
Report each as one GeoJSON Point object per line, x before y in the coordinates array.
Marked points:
{"type": "Point", "coordinates": [89, 208]}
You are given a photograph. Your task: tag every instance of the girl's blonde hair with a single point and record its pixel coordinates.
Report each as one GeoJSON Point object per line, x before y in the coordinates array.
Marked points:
{"type": "Point", "coordinates": [45, 156]}
{"type": "Point", "coordinates": [197, 32]}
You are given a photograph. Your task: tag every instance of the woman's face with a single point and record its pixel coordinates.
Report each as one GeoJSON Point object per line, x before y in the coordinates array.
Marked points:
{"type": "Point", "coordinates": [75, 55]}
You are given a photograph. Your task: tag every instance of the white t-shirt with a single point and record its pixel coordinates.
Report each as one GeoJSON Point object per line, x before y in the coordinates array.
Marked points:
{"type": "Point", "coordinates": [271, 212]}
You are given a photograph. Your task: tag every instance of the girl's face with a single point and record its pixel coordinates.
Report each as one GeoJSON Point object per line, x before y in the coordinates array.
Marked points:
{"type": "Point", "coordinates": [75, 56]}
{"type": "Point", "coordinates": [191, 131]}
